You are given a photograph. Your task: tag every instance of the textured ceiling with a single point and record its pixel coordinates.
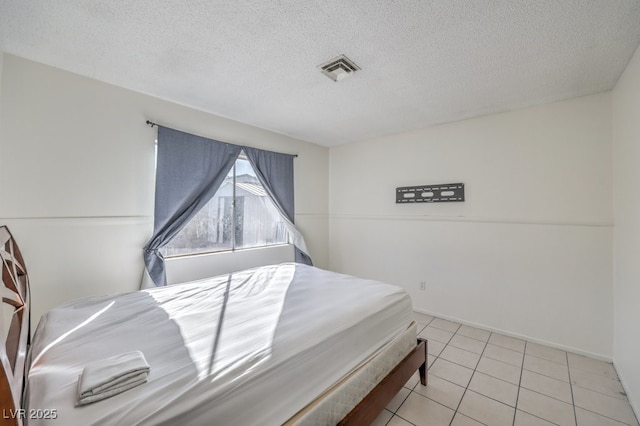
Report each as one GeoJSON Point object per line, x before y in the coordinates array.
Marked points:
{"type": "Point", "coordinates": [423, 61]}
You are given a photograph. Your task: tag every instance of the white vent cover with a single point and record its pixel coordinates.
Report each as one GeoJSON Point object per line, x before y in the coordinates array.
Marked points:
{"type": "Point", "coordinates": [338, 68]}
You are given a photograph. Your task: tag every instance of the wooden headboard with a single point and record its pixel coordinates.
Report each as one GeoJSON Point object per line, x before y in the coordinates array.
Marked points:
{"type": "Point", "coordinates": [15, 328]}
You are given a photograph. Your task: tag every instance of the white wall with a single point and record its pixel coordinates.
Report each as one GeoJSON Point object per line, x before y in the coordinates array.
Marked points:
{"type": "Point", "coordinates": [1, 69]}
{"type": "Point", "coordinates": [1, 59]}
{"type": "Point", "coordinates": [77, 173]}
{"type": "Point", "coordinates": [528, 252]}
{"type": "Point", "coordinates": [626, 190]}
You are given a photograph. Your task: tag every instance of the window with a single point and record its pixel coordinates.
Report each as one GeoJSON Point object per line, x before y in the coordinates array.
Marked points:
{"type": "Point", "coordinates": [240, 215]}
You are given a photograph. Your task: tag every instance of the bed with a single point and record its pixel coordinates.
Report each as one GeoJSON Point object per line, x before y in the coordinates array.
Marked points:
{"type": "Point", "coordinates": [281, 344]}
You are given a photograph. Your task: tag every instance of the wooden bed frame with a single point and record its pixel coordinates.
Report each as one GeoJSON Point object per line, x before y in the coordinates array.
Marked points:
{"type": "Point", "coordinates": [368, 409]}
{"type": "Point", "coordinates": [16, 309]}
{"type": "Point", "coordinates": [16, 297]}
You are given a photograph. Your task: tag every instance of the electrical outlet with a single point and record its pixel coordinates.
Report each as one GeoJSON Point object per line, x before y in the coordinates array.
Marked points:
{"type": "Point", "coordinates": [423, 285]}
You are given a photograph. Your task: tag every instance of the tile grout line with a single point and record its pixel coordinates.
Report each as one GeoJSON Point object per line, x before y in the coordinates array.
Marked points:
{"type": "Point", "coordinates": [606, 417]}
{"type": "Point", "coordinates": [515, 412]}
{"type": "Point", "coordinates": [542, 374]}
{"type": "Point", "coordinates": [608, 395]}
{"type": "Point", "coordinates": [546, 359]}
{"type": "Point", "coordinates": [455, 412]}
{"type": "Point", "coordinates": [573, 401]}
{"type": "Point", "coordinates": [434, 361]}
{"type": "Point", "coordinates": [545, 395]}
{"type": "Point", "coordinates": [600, 377]}
{"type": "Point", "coordinates": [504, 362]}
{"type": "Point", "coordinates": [399, 416]}
{"type": "Point", "coordinates": [522, 369]}
{"type": "Point", "coordinates": [486, 344]}
{"type": "Point", "coordinates": [636, 416]}
{"type": "Point", "coordinates": [469, 382]}
{"type": "Point", "coordinates": [531, 390]}
{"type": "Point", "coordinates": [394, 413]}
{"type": "Point", "coordinates": [540, 418]}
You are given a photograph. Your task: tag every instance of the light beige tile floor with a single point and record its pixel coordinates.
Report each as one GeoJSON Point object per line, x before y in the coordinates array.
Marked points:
{"type": "Point", "coordinates": [477, 377]}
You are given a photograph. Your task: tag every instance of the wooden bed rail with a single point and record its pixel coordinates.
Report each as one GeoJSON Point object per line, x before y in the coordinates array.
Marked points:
{"type": "Point", "coordinates": [372, 405]}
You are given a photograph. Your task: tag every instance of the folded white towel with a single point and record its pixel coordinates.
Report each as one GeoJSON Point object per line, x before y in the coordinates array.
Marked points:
{"type": "Point", "coordinates": [111, 376]}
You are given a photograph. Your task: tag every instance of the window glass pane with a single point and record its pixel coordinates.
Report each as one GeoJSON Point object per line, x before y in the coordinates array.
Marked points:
{"type": "Point", "coordinates": [210, 229]}
{"type": "Point", "coordinates": [254, 222]}
{"type": "Point", "coordinates": [258, 222]}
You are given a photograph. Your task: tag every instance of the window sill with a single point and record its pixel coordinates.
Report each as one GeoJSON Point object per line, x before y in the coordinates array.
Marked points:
{"type": "Point", "coordinates": [196, 266]}
{"type": "Point", "coordinates": [223, 252]}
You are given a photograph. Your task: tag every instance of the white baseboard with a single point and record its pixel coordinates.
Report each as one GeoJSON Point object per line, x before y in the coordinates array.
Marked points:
{"type": "Point", "coordinates": [624, 386]}
{"type": "Point", "coordinates": [520, 336]}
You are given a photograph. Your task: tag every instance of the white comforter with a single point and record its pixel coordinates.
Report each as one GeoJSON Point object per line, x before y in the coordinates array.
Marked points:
{"type": "Point", "coordinates": [249, 348]}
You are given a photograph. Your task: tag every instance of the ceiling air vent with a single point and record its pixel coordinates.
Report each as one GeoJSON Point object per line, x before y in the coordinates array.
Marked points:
{"type": "Point", "coordinates": [338, 68]}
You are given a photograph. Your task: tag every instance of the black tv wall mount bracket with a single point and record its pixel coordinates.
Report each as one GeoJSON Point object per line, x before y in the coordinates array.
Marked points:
{"type": "Point", "coordinates": [446, 192]}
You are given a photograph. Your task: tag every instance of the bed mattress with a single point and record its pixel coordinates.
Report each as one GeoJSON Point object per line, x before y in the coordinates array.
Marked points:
{"type": "Point", "coordinates": [253, 347]}
{"type": "Point", "coordinates": [334, 405]}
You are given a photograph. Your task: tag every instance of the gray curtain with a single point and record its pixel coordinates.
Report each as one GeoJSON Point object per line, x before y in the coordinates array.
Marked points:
{"type": "Point", "coordinates": [275, 173]}
{"type": "Point", "coordinates": [189, 171]}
